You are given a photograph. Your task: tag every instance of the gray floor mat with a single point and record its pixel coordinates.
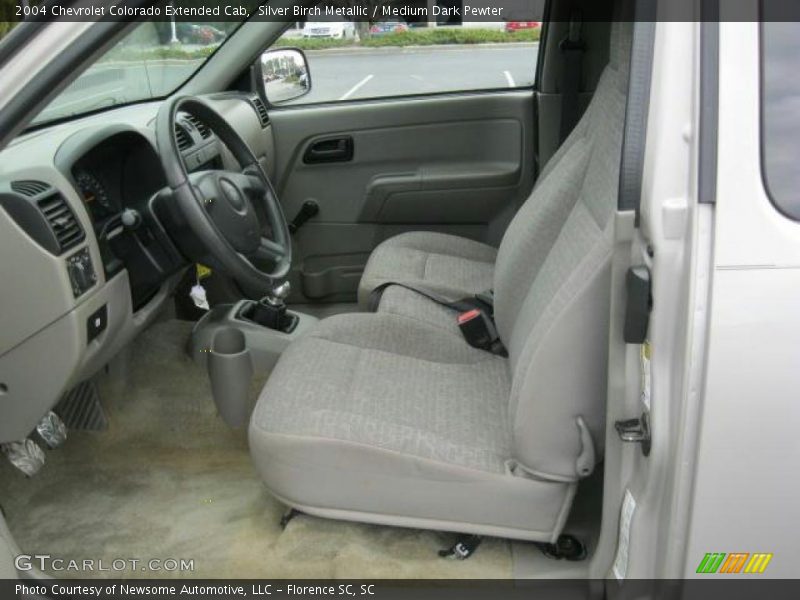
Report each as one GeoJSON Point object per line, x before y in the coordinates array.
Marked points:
{"type": "Point", "coordinates": [168, 479]}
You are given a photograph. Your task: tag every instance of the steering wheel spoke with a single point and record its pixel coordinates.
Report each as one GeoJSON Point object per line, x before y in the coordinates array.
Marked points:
{"type": "Point", "coordinates": [269, 250]}
{"type": "Point", "coordinates": [230, 212]}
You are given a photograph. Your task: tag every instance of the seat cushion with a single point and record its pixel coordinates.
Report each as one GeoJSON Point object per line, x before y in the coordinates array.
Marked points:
{"type": "Point", "coordinates": [403, 302]}
{"type": "Point", "coordinates": [446, 264]}
{"type": "Point", "coordinates": [388, 382]}
{"type": "Point", "coordinates": [383, 418]}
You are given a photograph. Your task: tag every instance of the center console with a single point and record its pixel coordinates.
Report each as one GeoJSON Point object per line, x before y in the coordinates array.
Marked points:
{"type": "Point", "coordinates": [267, 325]}
{"type": "Point", "coordinates": [234, 342]}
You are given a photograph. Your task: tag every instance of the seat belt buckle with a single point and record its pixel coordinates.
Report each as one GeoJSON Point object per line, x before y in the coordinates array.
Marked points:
{"type": "Point", "coordinates": [478, 330]}
{"type": "Point", "coordinates": [486, 301]}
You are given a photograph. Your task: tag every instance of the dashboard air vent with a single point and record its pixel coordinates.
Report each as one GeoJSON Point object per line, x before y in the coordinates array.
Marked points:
{"type": "Point", "coordinates": [205, 132]}
{"type": "Point", "coordinates": [183, 138]}
{"type": "Point", "coordinates": [29, 188]}
{"type": "Point", "coordinates": [62, 221]}
{"type": "Point", "coordinates": [261, 111]}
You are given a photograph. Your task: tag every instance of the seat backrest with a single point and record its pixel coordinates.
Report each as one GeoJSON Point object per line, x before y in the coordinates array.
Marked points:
{"type": "Point", "coordinates": [551, 284]}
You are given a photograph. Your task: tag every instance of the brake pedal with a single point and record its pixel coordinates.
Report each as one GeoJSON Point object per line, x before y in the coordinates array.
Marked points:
{"type": "Point", "coordinates": [464, 547]}
{"type": "Point", "coordinates": [52, 430]}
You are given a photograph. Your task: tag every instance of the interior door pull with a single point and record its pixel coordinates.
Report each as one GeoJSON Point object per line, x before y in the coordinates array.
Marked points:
{"type": "Point", "coordinates": [335, 149]}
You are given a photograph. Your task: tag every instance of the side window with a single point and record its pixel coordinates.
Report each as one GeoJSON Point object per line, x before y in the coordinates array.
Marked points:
{"type": "Point", "coordinates": [395, 57]}
{"type": "Point", "coordinates": [780, 114]}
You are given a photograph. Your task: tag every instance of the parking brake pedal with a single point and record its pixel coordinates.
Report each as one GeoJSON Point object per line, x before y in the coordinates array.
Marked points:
{"type": "Point", "coordinates": [464, 547]}
{"type": "Point", "coordinates": [567, 547]}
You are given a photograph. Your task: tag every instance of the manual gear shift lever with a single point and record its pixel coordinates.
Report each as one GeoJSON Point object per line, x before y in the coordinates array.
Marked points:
{"type": "Point", "coordinates": [278, 294]}
{"type": "Point", "coordinates": [270, 311]}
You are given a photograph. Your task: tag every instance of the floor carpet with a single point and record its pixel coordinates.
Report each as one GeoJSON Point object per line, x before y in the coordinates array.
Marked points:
{"type": "Point", "coordinates": [169, 480]}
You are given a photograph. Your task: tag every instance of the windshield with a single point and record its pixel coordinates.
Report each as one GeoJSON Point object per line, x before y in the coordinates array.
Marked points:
{"type": "Point", "coordinates": [152, 61]}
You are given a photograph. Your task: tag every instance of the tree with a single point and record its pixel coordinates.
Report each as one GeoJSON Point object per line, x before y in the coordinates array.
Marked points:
{"type": "Point", "coordinates": [8, 18]}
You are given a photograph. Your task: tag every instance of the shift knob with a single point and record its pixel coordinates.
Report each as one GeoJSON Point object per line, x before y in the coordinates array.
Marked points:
{"type": "Point", "coordinates": [279, 294]}
{"type": "Point", "coordinates": [282, 291]}
{"type": "Point", "coordinates": [131, 219]}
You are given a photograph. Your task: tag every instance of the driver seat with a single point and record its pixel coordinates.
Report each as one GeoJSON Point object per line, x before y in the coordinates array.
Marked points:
{"type": "Point", "coordinates": [393, 418]}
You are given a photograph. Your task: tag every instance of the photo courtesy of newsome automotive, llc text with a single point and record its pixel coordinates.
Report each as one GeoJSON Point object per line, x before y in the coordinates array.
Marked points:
{"type": "Point", "coordinates": [388, 299]}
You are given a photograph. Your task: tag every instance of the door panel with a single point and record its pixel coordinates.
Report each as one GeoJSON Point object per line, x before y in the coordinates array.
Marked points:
{"type": "Point", "coordinates": [457, 164]}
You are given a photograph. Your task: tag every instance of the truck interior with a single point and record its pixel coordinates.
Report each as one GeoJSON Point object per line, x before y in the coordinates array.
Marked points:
{"type": "Point", "coordinates": [415, 310]}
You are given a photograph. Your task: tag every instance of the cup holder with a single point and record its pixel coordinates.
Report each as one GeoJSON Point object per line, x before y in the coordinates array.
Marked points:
{"type": "Point", "coordinates": [230, 369]}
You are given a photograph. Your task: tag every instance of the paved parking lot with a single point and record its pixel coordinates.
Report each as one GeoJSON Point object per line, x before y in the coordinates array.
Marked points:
{"type": "Point", "coordinates": [370, 72]}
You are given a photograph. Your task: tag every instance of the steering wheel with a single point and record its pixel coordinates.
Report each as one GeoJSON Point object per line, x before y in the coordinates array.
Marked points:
{"type": "Point", "coordinates": [235, 214]}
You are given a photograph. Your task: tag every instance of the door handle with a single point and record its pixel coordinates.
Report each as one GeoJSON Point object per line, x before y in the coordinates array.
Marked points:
{"type": "Point", "coordinates": [333, 149]}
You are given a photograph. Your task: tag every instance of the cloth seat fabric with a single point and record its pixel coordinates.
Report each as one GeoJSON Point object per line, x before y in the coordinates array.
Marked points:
{"type": "Point", "coordinates": [446, 264]}
{"type": "Point", "coordinates": [392, 418]}
{"type": "Point", "coordinates": [379, 418]}
{"type": "Point", "coordinates": [450, 404]}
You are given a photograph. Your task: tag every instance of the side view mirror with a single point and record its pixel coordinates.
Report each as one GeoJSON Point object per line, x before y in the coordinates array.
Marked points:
{"type": "Point", "coordinates": [285, 74]}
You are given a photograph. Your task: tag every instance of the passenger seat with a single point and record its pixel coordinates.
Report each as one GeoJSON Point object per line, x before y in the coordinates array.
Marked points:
{"type": "Point", "coordinates": [393, 418]}
{"type": "Point", "coordinates": [455, 267]}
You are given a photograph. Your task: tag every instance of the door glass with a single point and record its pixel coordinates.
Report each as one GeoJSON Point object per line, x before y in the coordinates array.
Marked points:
{"type": "Point", "coordinates": [780, 135]}
{"type": "Point", "coordinates": [396, 57]}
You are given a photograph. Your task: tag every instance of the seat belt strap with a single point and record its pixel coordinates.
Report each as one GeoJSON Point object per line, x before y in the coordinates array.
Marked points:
{"type": "Point", "coordinates": [573, 48]}
{"type": "Point", "coordinates": [475, 315]}
{"type": "Point", "coordinates": [482, 301]}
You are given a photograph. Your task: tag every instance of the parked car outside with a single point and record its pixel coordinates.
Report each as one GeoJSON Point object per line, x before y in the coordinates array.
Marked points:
{"type": "Point", "coordinates": [388, 27]}
{"type": "Point", "coordinates": [513, 26]}
{"type": "Point", "coordinates": [338, 30]}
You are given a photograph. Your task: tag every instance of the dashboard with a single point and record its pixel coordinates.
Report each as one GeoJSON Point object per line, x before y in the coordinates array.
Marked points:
{"type": "Point", "coordinates": [118, 175]}
{"type": "Point", "coordinates": [87, 262]}
{"type": "Point", "coordinates": [115, 169]}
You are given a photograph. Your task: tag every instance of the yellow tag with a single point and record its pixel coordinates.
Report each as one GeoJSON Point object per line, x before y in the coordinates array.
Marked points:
{"type": "Point", "coordinates": [203, 271]}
